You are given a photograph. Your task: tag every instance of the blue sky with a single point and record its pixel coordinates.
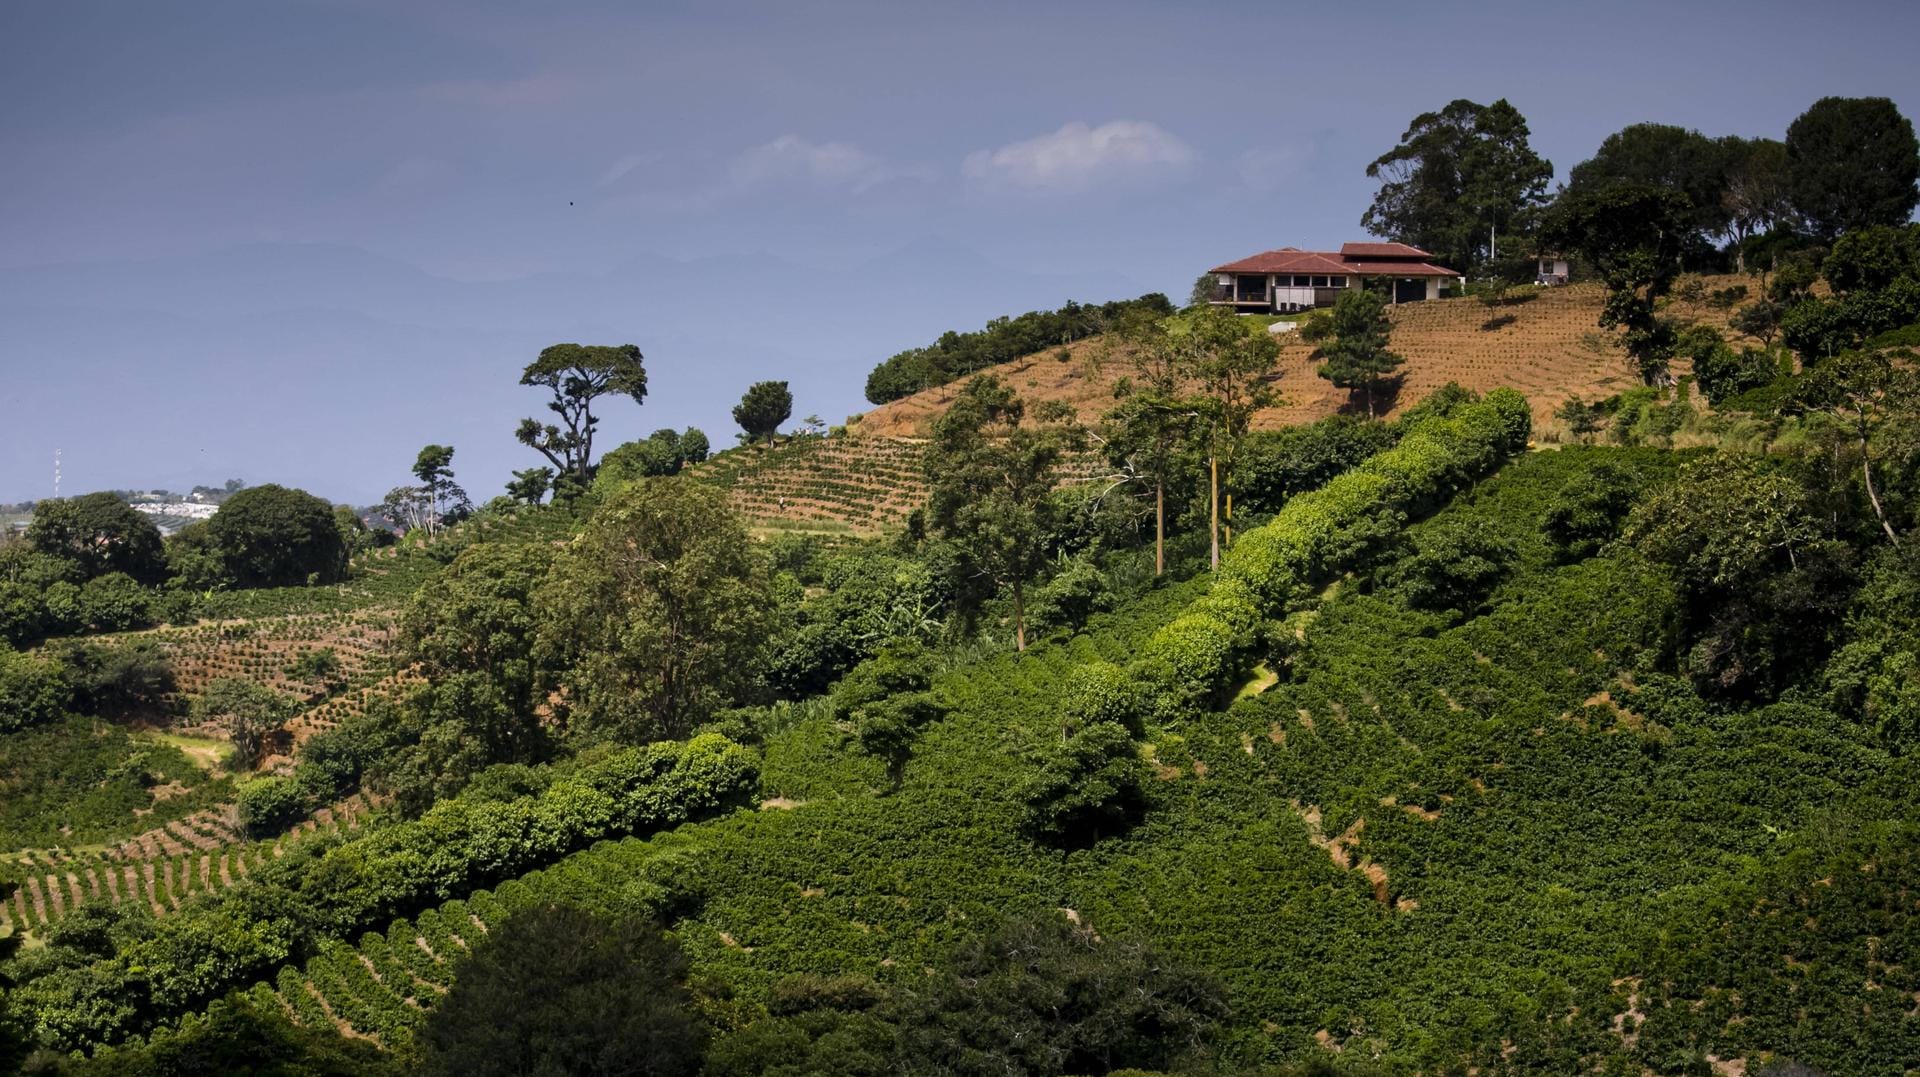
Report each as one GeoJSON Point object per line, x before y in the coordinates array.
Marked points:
{"type": "Point", "coordinates": [294, 242]}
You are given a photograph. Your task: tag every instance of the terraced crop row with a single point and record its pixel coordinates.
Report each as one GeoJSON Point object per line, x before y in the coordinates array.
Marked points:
{"type": "Point", "coordinates": [264, 650]}
{"type": "Point", "coordinates": [161, 868]}
{"type": "Point", "coordinates": [382, 989]}
{"type": "Point", "coordinates": [866, 484]}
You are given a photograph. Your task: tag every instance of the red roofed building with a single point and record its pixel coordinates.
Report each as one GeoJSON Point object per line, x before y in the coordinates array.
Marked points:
{"type": "Point", "coordinates": [1292, 279]}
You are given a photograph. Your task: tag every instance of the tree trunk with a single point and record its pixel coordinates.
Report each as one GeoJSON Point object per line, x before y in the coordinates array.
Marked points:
{"type": "Point", "coordinates": [1160, 528]}
{"type": "Point", "coordinates": [1213, 510]}
{"type": "Point", "coordinates": [1019, 618]}
{"type": "Point", "coordinates": [1866, 472]}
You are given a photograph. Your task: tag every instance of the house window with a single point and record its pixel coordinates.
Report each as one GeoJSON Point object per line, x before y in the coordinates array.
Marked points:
{"type": "Point", "coordinates": [1320, 282]}
{"type": "Point", "coordinates": [1336, 282]}
{"type": "Point", "coordinates": [1302, 282]}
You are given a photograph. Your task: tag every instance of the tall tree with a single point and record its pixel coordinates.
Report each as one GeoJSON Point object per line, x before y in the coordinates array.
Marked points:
{"type": "Point", "coordinates": [1149, 431]}
{"type": "Point", "coordinates": [1230, 361]}
{"type": "Point", "coordinates": [1355, 355]}
{"type": "Point", "coordinates": [992, 479]}
{"type": "Point", "coordinates": [98, 534]}
{"type": "Point", "coordinates": [1852, 162]}
{"type": "Point", "coordinates": [1632, 235]}
{"type": "Point", "coordinates": [1755, 194]}
{"type": "Point", "coordinates": [1868, 391]}
{"type": "Point", "coordinates": [577, 375]}
{"type": "Point", "coordinates": [765, 405]}
{"type": "Point", "coordinates": [1459, 175]}
{"type": "Point", "coordinates": [1674, 159]}
{"type": "Point", "coordinates": [446, 501]}
{"type": "Point", "coordinates": [656, 615]}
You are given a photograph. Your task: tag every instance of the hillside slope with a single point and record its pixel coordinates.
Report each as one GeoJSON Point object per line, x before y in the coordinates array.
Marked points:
{"type": "Point", "coordinates": [1545, 343]}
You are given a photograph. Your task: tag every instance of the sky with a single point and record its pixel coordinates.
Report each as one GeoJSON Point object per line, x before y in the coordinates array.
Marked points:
{"type": "Point", "coordinates": [295, 241]}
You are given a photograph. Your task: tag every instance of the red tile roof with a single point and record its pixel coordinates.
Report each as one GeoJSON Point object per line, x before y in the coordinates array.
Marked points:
{"type": "Point", "coordinates": [1409, 262]}
{"type": "Point", "coordinates": [1399, 251]}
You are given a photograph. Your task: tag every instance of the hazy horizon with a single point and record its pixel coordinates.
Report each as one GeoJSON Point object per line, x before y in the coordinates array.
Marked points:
{"type": "Point", "coordinates": [293, 244]}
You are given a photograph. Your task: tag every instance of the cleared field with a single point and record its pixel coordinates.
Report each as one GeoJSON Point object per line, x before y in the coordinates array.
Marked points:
{"type": "Point", "coordinates": [1544, 342]}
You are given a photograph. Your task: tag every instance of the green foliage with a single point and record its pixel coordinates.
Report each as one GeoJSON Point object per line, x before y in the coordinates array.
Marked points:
{"type": "Point", "coordinates": [577, 375]}
{"type": "Point", "coordinates": [1852, 162]}
{"type": "Point", "coordinates": [271, 536]}
{"type": "Point", "coordinates": [288, 905]}
{"type": "Point", "coordinates": [1072, 595]}
{"type": "Point", "coordinates": [98, 534]}
{"type": "Point", "coordinates": [32, 690]}
{"type": "Point", "coordinates": [554, 990]}
{"type": "Point", "coordinates": [238, 1035]}
{"type": "Point", "coordinates": [1670, 158]}
{"type": "Point", "coordinates": [1191, 658]}
{"type": "Point", "coordinates": [1459, 175]}
{"type": "Point", "coordinates": [1355, 356]}
{"type": "Point", "coordinates": [270, 805]}
{"type": "Point", "coordinates": [116, 678]}
{"type": "Point", "coordinates": [1589, 511]}
{"type": "Point", "coordinates": [655, 616]}
{"type": "Point", "coordinates": [662, 453]}
{"type": "Point", "coordinates": [883, 704]}
{"type": "Point", "coordinates": [251, 712]}
{"type": "Point", "coordinates": [1721, 373]}
{"type": "Point", "coordinates": [1633, 235]}
{"type": "Point", "coordinates": [1873, 258]}
{"type": "Point", "coordinates": [530, 485]}
{"type": "Point", "coordinates": [1456, 566]}
{"type": "Point", "coordinates": [765, 405]}
{"type": "Point", "coordinates": [959, 355]}
{"type": "Point", "coordinates": [1276, 465]}
{"type": "Point", "coordinates": [1091, 787]}
{"type": "Point", "coordinates": [115, 603]}
{"type": "Point", "coordinates": [992, 480]}
{"type": "Point", "coordinates": [1048, 997]}
{"type": "Point", "coordinates": [73, 781]}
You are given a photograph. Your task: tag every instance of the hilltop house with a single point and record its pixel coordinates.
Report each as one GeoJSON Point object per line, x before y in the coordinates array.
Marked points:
{"type": "Point", "coordinates": [1292, 279]}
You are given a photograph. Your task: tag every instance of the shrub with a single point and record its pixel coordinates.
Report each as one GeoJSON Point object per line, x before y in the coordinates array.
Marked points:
{"type": "Point", "coordinates": [1456, 566]}
{"type": "Point", "coordinates": [1188, 661]}
{"type": "Point", "coordinates": [115, 603]}
{"type": "Point", "coordinates": [1588, 511]}
{"type": "Point", "coordinates": [270, 805]}
{"type": "Point", "coordinates": [32, 690]}
{"type": "Point", "coordinates": [1092, 787]}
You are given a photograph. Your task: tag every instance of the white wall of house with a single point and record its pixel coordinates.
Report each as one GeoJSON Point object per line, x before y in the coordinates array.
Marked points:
{"type": "Point", "coordinates": [1433, 287]}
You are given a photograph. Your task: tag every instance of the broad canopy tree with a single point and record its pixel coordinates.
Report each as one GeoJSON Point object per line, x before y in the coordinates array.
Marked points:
{"type": "Point", "coordinates": [763, 408]}
{"type": "Point", "coordinates": [1852, 162]}
{"type": "Point", "coordinates": [1461, 175]}
{"type": "Point", "coordinates": [656, 615]}
{"type": "Point", "coordinates": [992, 480]}
{"type": "Point", "coordinates": [577, 375]}
{"type": "Point", "coordinates": [98, 534]}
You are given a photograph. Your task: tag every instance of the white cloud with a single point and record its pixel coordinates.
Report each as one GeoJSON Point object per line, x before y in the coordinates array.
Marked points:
{"type": "Point", "coordinates": [1078, 157]}
{"type": "Point", "coordinates": [823, 164]}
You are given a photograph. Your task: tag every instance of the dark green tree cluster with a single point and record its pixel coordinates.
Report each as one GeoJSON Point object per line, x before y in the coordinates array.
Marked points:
{"type": "Point", "coordinates": [1460, 179]}
{"type": "Point", "coordinates": [764, 406]}
{"type": "Point", "coordinates": [554, 990]}
{"type": "Point", "coordinates": [991, 479]}
{"type": "Point", "coordinates": [663, 452]}
{"type": "Point", "coordinates": [575, 376]}
{"type": "Point", "coordinates": [958, 355]}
